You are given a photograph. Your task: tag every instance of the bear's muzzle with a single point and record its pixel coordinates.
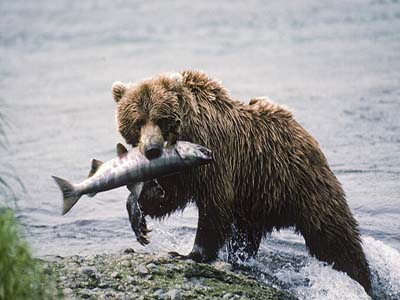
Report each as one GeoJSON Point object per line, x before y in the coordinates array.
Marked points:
{"type": "Point", "coordinates": [151, 141]}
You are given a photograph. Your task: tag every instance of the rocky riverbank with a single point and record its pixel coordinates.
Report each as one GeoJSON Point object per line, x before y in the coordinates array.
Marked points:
{"type": "Point", "coordinates": [129, 275]}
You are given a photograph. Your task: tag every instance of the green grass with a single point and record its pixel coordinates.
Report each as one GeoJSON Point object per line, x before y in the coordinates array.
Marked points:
{"type": "Point", "coordinates": [21, 276]}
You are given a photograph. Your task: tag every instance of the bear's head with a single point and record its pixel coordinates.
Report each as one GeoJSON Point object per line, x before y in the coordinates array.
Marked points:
{"type": "Point", "coordinates": [148, 113]}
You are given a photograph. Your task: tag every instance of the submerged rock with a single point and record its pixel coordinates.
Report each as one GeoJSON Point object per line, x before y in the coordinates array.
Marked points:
{"type": "Point", "coordinates": [154, 277]}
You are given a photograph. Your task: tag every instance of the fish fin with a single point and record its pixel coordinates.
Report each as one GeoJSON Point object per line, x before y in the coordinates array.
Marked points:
{"type": "Point", "coordinates": [69, 194]}
{"type": "Point", "coordinates": [136, 188]}
{"type": "Point", "coordinates": [96, 164]}
{"type": "Point", "coordinates": [91, 195]}
{"type": "Point", "coordinates": [121, 150]}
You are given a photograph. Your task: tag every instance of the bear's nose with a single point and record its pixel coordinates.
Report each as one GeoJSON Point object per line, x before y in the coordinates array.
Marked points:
{"type": "Point", "coordinates": [152, 151]}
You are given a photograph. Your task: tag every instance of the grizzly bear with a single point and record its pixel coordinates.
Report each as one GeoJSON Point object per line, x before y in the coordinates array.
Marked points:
{"type": "Point", "coordinates": [268, 171]}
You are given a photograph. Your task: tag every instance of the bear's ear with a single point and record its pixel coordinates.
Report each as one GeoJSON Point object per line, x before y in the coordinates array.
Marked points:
{"type": "Point", "coordinates": [118, 90]}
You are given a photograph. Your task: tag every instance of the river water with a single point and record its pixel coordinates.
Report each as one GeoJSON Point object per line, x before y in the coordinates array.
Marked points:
{"type": "Point", "coordinates": [336, 64]}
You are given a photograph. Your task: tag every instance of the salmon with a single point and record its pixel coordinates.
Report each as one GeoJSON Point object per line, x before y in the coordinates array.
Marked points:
{"type": "Point", "coordinates": [132, 167]}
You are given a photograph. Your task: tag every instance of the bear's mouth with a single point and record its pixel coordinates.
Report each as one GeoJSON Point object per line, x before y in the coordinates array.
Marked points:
{"type": "Point", "coordinates": [207, 153]}
{"type": "Point", "coordinates": [153, 151]}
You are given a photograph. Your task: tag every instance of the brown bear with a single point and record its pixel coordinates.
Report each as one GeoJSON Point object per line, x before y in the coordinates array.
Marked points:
{"type": "Point", "coordinates": [268, 171]}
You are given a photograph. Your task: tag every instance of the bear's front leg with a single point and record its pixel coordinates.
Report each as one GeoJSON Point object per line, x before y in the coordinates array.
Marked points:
{"type": "Point", "coordinates": [210, 237]}
{"type": "Point", "coordinates": [245, 240]}
{"type": "Point", "coordinates": [213, 229]}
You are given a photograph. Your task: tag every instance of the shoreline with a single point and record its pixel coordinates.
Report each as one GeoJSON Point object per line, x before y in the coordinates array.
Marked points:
{"type": "Point", "coordinates": [130, 275]}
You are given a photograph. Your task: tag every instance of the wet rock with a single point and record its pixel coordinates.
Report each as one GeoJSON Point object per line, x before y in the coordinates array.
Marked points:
{"type": "Point", "coordinates": [126, 263]}
{"type": "Point", "coordinates": [223, 266]}
{"type": "Point", "coordinates": [126, 256]}
{"type": "Point", "coordinates": [67, 292]}
{"type": "Point", "coordinates": [154, 277]}
{"type": "Point", "coordinates": [115, 274]}
{"type": "Point", "coordinates": [173, 295]}
{"type": "Point", "coordinates": [151, 266]}
{"type": "Point", "coordinates": [158, 293]}
{"type": "Point", "coordinates": [90, 259]}
{"type": "Point", "coordinates": [110, 295]}
{"type": "Point", "coordinates": [85, 294]}
{"type": "Point", "coordinates": [196, 281]}
{"type": "Point", "coordinates": [186, 286]}
{"type": "Point", "coordinates": [103, 285]}
{"type": "Point", "coordinates": [129, 251]}
{"type": "Point", "coordinates": [88, 271]}
{"type": "Point", "coordinates": [142, 270]}
{"type": "Point", "coordinates": [130, 279]}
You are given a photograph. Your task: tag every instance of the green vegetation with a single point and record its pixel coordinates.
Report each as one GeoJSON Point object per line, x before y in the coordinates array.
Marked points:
{"type": "Point", "coordinates": [21, 276]}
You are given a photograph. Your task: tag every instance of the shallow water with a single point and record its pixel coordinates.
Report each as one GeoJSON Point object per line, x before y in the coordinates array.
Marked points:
{"type": "Point", "coordinates": [336, 65]}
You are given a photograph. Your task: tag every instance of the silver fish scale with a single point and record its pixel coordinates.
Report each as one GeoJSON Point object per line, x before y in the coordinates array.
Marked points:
{"type": "Point", "coordinates": [131, 168]}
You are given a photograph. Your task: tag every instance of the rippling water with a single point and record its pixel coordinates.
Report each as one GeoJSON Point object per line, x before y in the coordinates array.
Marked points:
{"type": "Point", "coordinates": [336, 65]}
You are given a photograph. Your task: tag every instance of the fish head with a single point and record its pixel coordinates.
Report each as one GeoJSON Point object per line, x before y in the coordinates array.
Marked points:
{"type": "Point", "coordinates": [193, 154]}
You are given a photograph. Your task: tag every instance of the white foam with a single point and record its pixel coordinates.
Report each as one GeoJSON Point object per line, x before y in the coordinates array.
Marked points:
{"type": "Point", "coordinates": [328, 284]}
{"type": "Point", "coordinates": [384, 263]}
{"type": "Point", "coordinates": [285, 257]}
{"type": "Point", "coordinates": [317, 280]}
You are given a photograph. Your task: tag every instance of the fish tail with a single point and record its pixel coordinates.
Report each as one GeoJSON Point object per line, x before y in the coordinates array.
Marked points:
{"type": "Point", "coordinates": [70, 196]}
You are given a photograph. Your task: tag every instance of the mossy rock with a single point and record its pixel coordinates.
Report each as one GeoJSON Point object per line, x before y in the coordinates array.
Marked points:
{"type": "Point", "coordinates": [130, 275]}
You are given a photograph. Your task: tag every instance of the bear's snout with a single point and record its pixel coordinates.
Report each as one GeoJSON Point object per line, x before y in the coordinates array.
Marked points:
{"type": "Point", "coordinates": [151, 141]}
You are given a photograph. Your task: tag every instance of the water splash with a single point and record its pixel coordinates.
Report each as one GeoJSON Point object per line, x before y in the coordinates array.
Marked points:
{"type": "Point", "coordinates": [384, 263]}
{"type": "Point", "coordinates": [284, 262]}
{"type": "Point", "coordinates": [326, 283]}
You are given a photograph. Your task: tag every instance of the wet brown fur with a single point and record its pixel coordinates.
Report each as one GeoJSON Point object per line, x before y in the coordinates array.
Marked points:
{"type": "Point", "coordinates": [268, 172]}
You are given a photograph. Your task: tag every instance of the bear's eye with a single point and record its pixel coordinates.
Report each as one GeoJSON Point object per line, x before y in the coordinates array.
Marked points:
{"type": "Point", "coordinates": [138, 124]}
{"type": "Point", "coordinates": [164, 124]}
{"type": "Point", "coordinates": [134, 140]}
